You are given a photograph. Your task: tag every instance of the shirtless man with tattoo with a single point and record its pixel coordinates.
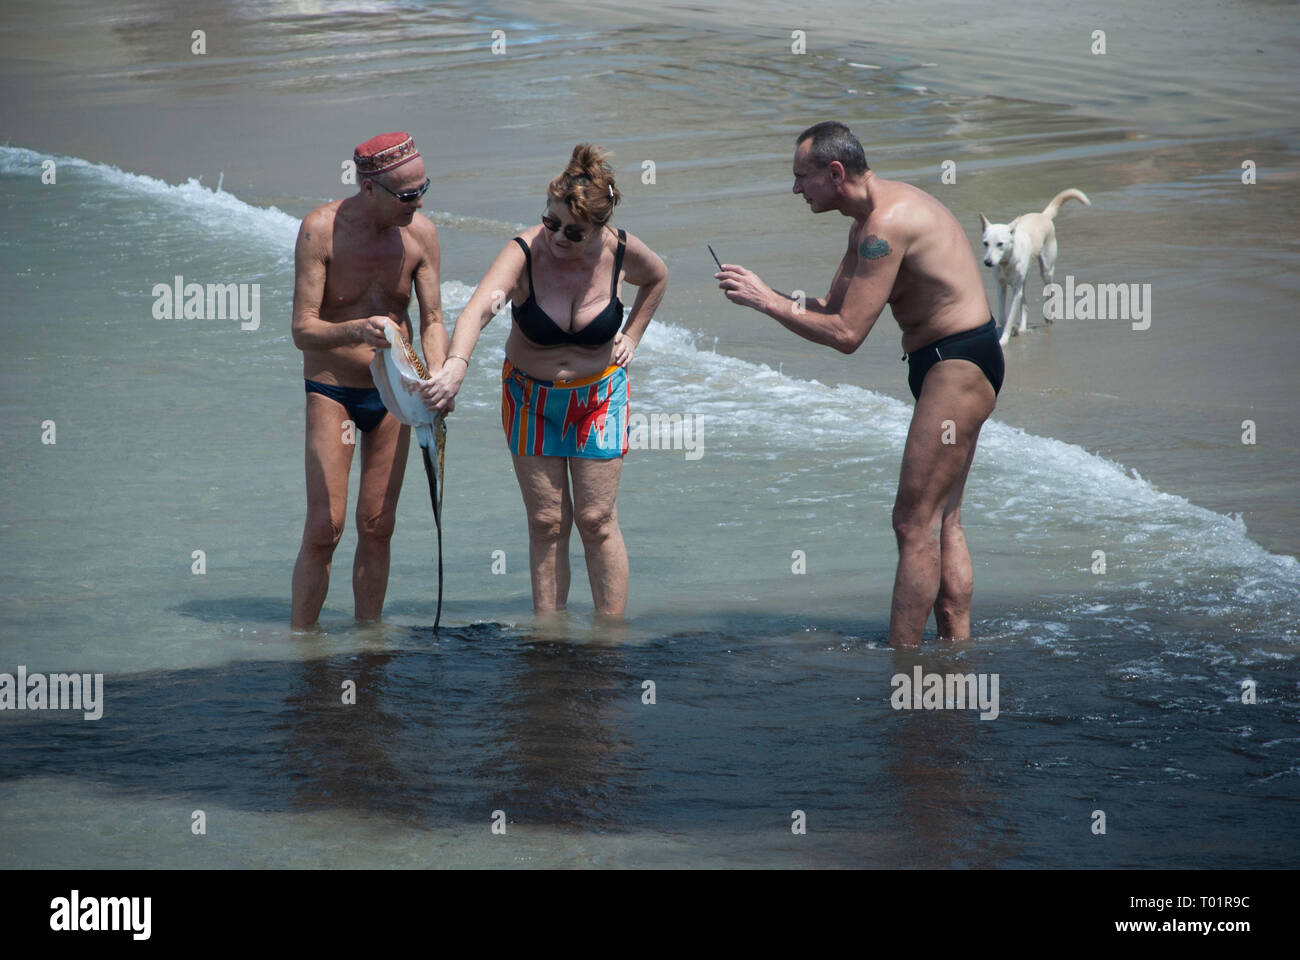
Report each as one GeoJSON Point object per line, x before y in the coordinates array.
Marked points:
{"type": "Point", "coordinates": [354, 267]}
{"type": "Point", "coordinates": [907, 250]}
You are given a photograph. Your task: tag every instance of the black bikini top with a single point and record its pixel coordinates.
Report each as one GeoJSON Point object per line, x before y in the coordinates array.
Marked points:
{"type": "Point", "coordinates": [545, 332]}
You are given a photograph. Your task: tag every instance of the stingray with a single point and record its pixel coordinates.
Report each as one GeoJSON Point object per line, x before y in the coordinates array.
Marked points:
{"type": "Point", "coordinates": [398, 372]}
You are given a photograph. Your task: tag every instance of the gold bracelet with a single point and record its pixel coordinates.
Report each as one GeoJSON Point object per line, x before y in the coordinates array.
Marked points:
{"type": "Point", "coordinates": [457, 356]}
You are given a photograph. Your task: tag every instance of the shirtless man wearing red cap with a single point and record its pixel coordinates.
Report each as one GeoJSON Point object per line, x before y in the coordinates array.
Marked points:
{"type": "Point", "coordinates": [354, 266]}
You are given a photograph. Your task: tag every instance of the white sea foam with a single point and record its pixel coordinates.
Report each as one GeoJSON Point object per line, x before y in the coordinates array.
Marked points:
{"type": "Point", "coordinates": [271, 227]}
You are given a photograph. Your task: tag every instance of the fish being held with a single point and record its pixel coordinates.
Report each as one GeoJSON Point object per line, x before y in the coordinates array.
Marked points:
{"type": "Point", "coordinates": [398, 372]}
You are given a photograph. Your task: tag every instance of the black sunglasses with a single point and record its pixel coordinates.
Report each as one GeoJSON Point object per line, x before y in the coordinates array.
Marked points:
{"type": "Point", "coordinates": [570, 232]}
{"type": "Point", "coordinates": [406, 196]}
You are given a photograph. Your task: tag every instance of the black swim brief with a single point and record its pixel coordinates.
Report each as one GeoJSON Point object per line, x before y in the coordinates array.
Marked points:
{"type": "Point", "coordinates": [363, 404]}
{"type": "Point", "coordinates": [980, 346]}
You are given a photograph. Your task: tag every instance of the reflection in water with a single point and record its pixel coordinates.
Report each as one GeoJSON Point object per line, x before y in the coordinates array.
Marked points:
{"type": "Point", "coordinates": [560, 736]}
{"type": "Point", "coordinates": [342, 728]}
{"type": "Point", "coordinates": [449, 734]}
{"type": "Point", "coordinates": [937, 773]}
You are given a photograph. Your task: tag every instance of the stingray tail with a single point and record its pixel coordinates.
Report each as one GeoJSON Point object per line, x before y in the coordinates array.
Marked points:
{"type": "Point", "coordinates": [435, 497]}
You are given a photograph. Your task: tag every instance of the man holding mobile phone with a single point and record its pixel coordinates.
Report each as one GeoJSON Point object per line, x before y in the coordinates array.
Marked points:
{"type": "Point", "coordinates": [907, 250]}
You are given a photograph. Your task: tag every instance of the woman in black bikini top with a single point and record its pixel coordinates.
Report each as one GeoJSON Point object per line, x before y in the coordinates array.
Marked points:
{"type": "Point", "coordinates": [538, 327]}
{"type": "Point", "coordinates": [564, 388]}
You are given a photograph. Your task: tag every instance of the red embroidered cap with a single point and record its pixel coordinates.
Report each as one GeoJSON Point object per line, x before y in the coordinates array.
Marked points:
{"type": "Point", "coordinates": [384, 152]}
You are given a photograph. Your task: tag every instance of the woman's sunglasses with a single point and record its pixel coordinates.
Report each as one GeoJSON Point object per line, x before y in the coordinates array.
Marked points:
{"type": "Point", "coordinates": [570, 232]}
{"type": "Point", "coordinates": [406, 196]}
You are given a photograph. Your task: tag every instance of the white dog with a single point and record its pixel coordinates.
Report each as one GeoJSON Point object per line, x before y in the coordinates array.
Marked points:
{"type": "Point", "coordinates": [1008, 248]}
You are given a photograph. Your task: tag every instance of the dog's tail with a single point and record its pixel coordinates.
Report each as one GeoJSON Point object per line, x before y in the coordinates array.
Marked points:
{"type": "Point", "coordinates": [1052, 208]}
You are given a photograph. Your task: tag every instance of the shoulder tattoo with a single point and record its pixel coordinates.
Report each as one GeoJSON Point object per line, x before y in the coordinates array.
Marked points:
{"type": "Point", "coordinates": [873, 248]}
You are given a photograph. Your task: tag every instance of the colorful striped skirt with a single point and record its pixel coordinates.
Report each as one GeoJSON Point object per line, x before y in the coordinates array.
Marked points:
{"type": "Point", "coordinates": [565, 418]}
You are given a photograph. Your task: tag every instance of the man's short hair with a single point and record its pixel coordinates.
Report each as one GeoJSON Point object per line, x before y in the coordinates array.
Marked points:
{"type": "Point", "coordinates": [834, 141]}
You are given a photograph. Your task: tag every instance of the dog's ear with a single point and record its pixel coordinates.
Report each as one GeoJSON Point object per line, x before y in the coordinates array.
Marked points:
{"type": "Point", "coordinates": [984, 222]}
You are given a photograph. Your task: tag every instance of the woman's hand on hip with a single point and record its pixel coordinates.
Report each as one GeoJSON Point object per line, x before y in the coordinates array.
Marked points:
{"type": "Point", "coordinates": [624, 347]}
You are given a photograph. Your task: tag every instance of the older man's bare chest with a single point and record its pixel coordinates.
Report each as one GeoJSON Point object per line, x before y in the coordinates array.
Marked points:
{"type": "Point", "coordinates": [362, 271]}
